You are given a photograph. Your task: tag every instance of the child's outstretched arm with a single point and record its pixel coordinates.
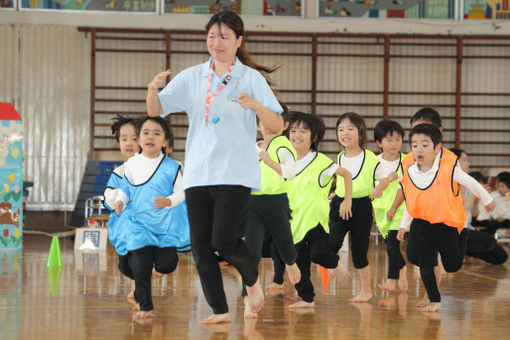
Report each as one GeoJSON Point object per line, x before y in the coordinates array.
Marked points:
{"type": "Point", "coordinates": [286, 168]}
{"type": "Point", "coordinates": [399, 198]}
{"type": "Point", "coordinates": [345, 211]}
{"type": "Point", "coordinates": [383, 183]}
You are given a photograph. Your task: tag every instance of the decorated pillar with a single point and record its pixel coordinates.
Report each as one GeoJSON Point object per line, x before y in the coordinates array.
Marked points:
{"type": "Point", "coordinates": [11, 178]}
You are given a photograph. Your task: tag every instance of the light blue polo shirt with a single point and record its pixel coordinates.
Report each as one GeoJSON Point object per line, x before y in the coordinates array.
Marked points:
{"type": "Point", "coordinates": [222, 152]}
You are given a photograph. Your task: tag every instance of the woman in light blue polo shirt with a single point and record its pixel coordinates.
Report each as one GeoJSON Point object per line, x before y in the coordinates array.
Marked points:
{"type": "Point", "coordinates": [222, 99]}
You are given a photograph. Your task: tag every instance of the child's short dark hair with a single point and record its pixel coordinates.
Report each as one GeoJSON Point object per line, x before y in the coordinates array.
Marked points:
{"type": "Point", "coordinates": [313, 122]}
{"type": "Point", "coordinates": [428, 130]}
{"type": "Point", "coordinates": [428, 114]}
{"type": "Point", "coordinates": [358, 122]}
{"type": "Point", "coordinates": [458, 152]}
{"type": "Point", "coordinates": [158, 120]}
{"type": "Point", "coordinates": [504, 177]}
{"type": "Point", "coordinates": [118, 122]}
{"type": "Point", "coordinates": [478, 176]}
{"type": "Point", "coordinates": [387, 127]}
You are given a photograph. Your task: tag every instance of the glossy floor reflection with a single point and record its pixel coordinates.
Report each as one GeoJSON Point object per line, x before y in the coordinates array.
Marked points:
{"type": "Point", "coordinates": [87, 300]}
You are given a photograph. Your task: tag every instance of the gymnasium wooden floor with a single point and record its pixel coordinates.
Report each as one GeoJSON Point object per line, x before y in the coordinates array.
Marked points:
{"type": "Point", "coordinates": [89, 302]}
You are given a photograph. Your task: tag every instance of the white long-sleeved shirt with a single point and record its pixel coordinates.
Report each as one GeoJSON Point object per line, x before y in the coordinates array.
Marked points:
{"type": "Point", "coordinates": [139, 169]}
{"type": "Point", "coordinates": [502, 208]}
{"type": "Point", "coordinates": [287, 161]}
{"type": "Point", "coordinates": [385, 167]}
{"type": "Point", "coordinates": [110, 194]}
{"type": "Point", "coordinates": [423, 179]}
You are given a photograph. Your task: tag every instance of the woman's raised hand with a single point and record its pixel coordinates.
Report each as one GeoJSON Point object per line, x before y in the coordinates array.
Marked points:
{"type": "Point", "coordinates": [159, 80]}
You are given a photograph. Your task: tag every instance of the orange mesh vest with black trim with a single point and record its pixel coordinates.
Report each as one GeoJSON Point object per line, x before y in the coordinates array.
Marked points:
{"type": "Point", "coordinates": [440, 202]}
{"type": "Point", "coordinates": [409, 158]}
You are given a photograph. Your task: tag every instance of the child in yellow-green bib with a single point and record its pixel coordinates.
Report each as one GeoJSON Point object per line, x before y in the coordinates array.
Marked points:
{"type": "Point", "coordinates": [361, 163]}
{"type": "Point", "coordinates": [388, 135]}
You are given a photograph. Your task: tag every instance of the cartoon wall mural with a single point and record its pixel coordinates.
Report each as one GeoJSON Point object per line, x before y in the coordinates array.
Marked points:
{"type": "Point", "coordinates": [11, 178]}
{"type": "Point", "coordinates": [92, 5]}
{"type": "Point", "coordinates": [429, 9]}
{"type": "Point", "coordinates": [486, 9]}
{"type": "Point", "coordinates": [243, 7]}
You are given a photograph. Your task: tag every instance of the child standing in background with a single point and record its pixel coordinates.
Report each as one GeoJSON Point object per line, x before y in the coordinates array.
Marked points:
{"type": "Point", "coordinates": [308, 197]}
{"type": "Point", "coordinates": [269, 211]}
{"type": "Point", "coordinates": [388, 136]}
{"type": "Point", "coordinates": [154, 224]}
{"type": "Point", "coordinates": [361, 163]}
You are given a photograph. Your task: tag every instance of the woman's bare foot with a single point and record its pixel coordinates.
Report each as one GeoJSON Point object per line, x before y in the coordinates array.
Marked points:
{"type": "Point", "coordinates": [248, 313]}
{"type": "Point", "coordinates": [402, 281]}
{"type": "Point", "coordinates": [431, 307]}
{"type": "Point", "coordinates": [389, 286]}
{"type": "Point", "coordinates": [142, 315]}
{"type": "Point", "coordinates": [216, 318]}
{"type": "Point", "coordinates": [255, 296]}
{"type": "Point", "coordinates": [274, 287]}
{"type": "Point", "coordinates": [294, 273]}
{"type": "Point", "coordinates": [302, 304]}
{"type": "Point", "coordinates": [362, 297]}
{"type": "Point", "coordinates": [156, 275]}
{"type": "Point", "coordinates": [340, 273]}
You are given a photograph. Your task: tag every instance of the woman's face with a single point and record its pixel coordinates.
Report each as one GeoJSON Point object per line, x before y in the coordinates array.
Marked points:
{"type": "Point", "coordinates": [222, 43]}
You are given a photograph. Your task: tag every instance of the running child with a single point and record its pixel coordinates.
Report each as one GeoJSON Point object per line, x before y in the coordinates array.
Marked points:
{"type": "Point", "coordinates": [434, 209]}
{"type": "Point", "coordinates": [388, 135]}
{"type": "Point", "coordinates": [361, 163]}
{"type": "Point", "coordinates": [308, 197]}
{"type": "Point", "coordinates": [153, 224]}
{"type": "Point", "coordinates": [269, 211]}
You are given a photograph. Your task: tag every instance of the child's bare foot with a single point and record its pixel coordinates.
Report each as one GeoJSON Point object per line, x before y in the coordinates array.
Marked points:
{"type": "Point", "coordinates": [216, 318]}
{"type": "Point", "coordinates": [248, 313]}
{"type": "Point", "coordinates": [302, 304]}
{"type": "Point", "coordinates": [274, 287]}
{"type": "Point", "coordinates": [423, 302]}
{"type": "Point", "coordinates": [255, 296]}
{"type": "Point", "coordinates": [340, 273]}
{"type": "Point", "coordinates": [389, 286]}
{"type": "Point", "coordinates": [432, 307]}
{"type": "Point", "coordinates": [142, 315]}
{"type": "Point", "coordinates": [362, 297]}
{"type": "Point", "coordinates": [155, 274]}
{"type": "Point", "coordinates": [402, 281]}
{"type": "Point", "coordinates": [294, 273]}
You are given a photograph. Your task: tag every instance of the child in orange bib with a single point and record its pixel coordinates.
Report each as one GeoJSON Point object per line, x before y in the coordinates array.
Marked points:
{"type": "Point", "coordinates": [434, 207]}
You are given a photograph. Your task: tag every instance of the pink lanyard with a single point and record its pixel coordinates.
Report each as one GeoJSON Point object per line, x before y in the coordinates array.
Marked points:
{"type": "Point", "coordinates": [209, 98]}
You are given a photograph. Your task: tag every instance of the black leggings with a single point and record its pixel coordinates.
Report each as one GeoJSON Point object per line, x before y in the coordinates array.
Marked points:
{"type": "Point", "coordinates": [137, 265]}
{"type": "Point", "coordinates": [425, 241]}
{"type": "Point", "coordinates": [484, 246]}
{"type": "Point", "coordinates": [359, 225]}
{"type": "Point", "coordinates": [313, 248]}
{"type": "Point", "coordinates": [217, 217]}
{"type": "Point", "coordinates": [395, 259]}
{"type": "Point", "coordinates": [270, 214]}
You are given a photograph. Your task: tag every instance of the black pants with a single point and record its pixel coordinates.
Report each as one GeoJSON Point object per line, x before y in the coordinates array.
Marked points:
{"type": "Point", "coordinates": [395, 259]}
{"type": "Point", "coordinates": [270, 214]}
{"type": "Point", "coordinates": [278, 265]}
{"type": "Point", "coordinates": [137, 265]}
{"type": "Point", "coordinates": [217, 217]}
{"type": "Point", "coordinates": [359, 225]}
{"type": "Point", "coordinates": [425, 241]}
{"type": "Point", "coordinates": [484, 246]}
{"type": "Point", "coordinates": [313, 248]}
{"type": "Point", "coordinates": [490, 226]}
